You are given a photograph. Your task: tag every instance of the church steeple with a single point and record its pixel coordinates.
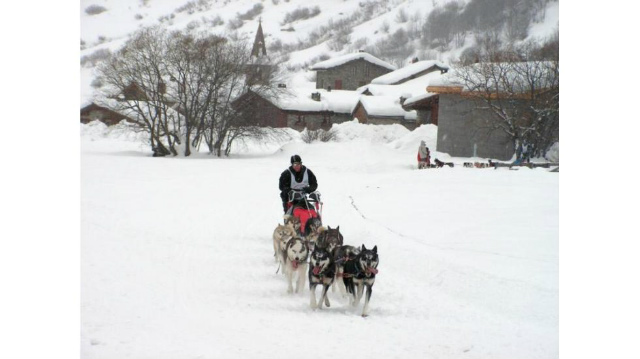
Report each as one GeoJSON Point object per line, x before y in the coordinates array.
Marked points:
{"type": "Point", "coordinates": [259, 48]}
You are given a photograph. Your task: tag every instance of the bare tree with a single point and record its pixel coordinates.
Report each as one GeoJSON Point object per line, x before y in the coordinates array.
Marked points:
{"type": "Point", "coordinates": [228, 119]}
{"type": "Point", "coordinates": [133, 79]}
{"type": "Point", "coordinates": [184, 84]}
{"type": "Point", "coordinates": [194, 80]}
{"type": "Point", "coordinates": [517, 94]}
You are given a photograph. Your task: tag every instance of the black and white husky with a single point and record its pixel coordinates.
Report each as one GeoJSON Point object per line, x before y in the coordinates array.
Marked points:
{"type": "Point", "coordinates": [360, 272]}
{"type": "Point", "coordinates": [330, 239]}
{"type": "Point", "coordinates": [295, 256]}
{"type": "Point", "coordinates": [340, 255]}
{"type": "Point", "coordinates": [321, 272]}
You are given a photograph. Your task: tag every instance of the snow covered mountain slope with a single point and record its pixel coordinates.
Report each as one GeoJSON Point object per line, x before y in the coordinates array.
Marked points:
{"type": "Point", "coordinates": [316, 29]}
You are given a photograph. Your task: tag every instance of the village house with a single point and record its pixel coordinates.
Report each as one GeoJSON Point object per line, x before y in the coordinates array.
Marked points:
{"type": "Point", "coordinates": [464, 129]}
{"type": "Point", "coordinates": [396, 97]}
{"type": "Point", "coordinates": [462, 132]}
{"type": "Point", "coordinates": [298, 109]}
{"type": "Point", "coordinates": [348, 72]}
{"type": "Point", "coordinates": [410, 72]}
{"type": "Point", "coordinates": [91, 112]}
{"type": "Point", "coordinates": [384, 110]}
{"type": "Point", "coordinates": [426, 106]}
{"type": "Point", "coordinates": [404, 92]}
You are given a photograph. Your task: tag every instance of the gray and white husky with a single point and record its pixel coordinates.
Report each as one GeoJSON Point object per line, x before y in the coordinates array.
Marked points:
{"type": "Point", "coordinates": [321, 272]}
{"type": "Point", "coordinates": [295, 255]}
{"type": "Point", "coordinates": [360, 272]}
{"type": "Point", "coordinates": [295, 221]}
{"type": "Point", "coordinates": [281, 235]}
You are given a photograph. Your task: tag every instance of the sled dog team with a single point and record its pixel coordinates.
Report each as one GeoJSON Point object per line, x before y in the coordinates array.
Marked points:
{"type": "Point", "coordinates": [326, 261]}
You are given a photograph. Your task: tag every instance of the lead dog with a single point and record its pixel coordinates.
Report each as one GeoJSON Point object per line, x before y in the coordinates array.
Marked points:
{"type": "Point", "coordinates": [360, 272]}
{"type": "Point", "coordinates": [321, 272]}
{"type": "Point", "coordinates": [295, 256]}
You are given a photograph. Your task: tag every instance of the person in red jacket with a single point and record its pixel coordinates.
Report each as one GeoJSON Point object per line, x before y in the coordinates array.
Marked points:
{"type": "Point", "coordinates": [424, 156]}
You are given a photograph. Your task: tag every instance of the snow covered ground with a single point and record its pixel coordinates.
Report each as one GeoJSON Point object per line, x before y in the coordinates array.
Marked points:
{"type": "Point", "coordinates": [177, 257]}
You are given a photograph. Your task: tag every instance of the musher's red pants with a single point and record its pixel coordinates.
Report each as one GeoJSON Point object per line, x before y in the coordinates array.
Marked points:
{"type": "Point", "coordinates": [304, 215]}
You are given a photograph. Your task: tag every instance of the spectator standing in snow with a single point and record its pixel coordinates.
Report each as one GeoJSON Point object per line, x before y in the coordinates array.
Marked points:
{"type": "Point", "coordinates": [424, 156]}
{"type": "Point", "coordinates": [297, 177]}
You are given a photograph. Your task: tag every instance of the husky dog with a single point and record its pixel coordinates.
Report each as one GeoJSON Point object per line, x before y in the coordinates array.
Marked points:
{"type": "Point", "coordinates": [340, 255]}
{"type": "Point", "coordinates": [295, 221]}
{"type": "Point", "coordinates": [295, 255]}
{"type": "Point", "coordinates": [321, 271]}
{"type": "Point", "coordinates": [313, 224]}
{"type": "Point", "coordinates": [281, 235]}
{"type": "Point", "coordinates": [442, 164]}
{"type": "Point", "coordinates": [313, 230]}
{"type": "Point", "coordinates": [330, 239]}
{"type": "Point", "coordinates": [361, 272]}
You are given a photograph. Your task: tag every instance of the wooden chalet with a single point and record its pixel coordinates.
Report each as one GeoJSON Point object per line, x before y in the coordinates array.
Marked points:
{"type": "Point", "coordinates": [92, 112]}
{"type": "Point", "coordinates": [313, 111]}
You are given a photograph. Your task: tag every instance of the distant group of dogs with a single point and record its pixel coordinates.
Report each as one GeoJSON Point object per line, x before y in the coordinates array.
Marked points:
{"type": "Point", "coordinates": [477, 165]}
{"type": "Point", "coordinates": [437, 164]}
{"type": "Point", "coordinates": [321, 256]}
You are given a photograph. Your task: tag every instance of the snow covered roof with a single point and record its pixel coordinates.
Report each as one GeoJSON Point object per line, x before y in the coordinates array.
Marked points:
{"type": "Point", "coordinates": [511, 71]}
{"type": "Point", "coordinates": [387, 106]}
{"type": "Point", "coordinates": [448, 79]}
{"type": "Point", "coordinates": [341, 60]}
{"type": "Point", "coordinates": [339, 101]}
{"type": "Point", "coordinates": [408, 71]}
{"type": "Point", "coordinates": [407, 89]}
{"type": "Point", "coordinates": [415, 99]}
{"type": "Point", "coordinates": [123, 108]}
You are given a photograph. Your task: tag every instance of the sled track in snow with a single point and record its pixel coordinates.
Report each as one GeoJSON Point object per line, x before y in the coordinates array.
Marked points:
{"type": "Point", "coordinates": [356, 208]}
{"type": "Point", "coordinates": [437, 246]}
{"type": "Point", "coordinates": [353, 204]}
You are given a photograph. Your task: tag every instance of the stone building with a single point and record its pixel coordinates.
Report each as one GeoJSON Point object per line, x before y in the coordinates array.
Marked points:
{"type": "Point", "coordinates": [348, 72]}
{"type": "Point", "coordinates": [464, 131]}
{"type": "Point", "coordinates": [467, 128]}
{"type": "Point", "coordinates": [260, 69]}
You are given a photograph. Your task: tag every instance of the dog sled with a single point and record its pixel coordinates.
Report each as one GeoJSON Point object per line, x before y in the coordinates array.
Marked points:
{"type": "Point", "coordinates": [307, 209]}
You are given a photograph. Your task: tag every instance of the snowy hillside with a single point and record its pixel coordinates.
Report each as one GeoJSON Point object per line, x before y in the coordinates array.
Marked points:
{"type": "Point", "coordinates": [468, 257]}
{"type": "Point", "coordinates": [317, 30]}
